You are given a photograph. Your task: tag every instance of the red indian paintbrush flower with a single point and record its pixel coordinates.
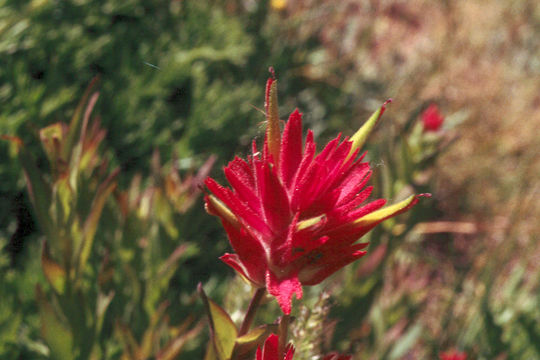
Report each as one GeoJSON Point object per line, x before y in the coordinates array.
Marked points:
{"type": "Point", "coordinates": [432, 119]}
{"type": "Point", "coordinates": [270, 350]}
{"type": "Point", "coordinates": [292, 217]}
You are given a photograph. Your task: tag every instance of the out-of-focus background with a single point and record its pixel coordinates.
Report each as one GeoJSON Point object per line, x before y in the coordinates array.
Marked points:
{"type": "Point", "coordinates": [182, 81]}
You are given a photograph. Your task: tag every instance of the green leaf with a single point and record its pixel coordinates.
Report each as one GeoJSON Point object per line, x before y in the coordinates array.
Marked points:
{"type": "Point", "coordinates": [91, 223]}
{"type": "Point", "coordinates": [103, 302]}
{"type": "Point", "coordinates": [252, 339]}
{"type": "Point", "coordinates": [532, 330]}
{"type": "Point", "coordinates": [151, 335]}
{"type": "Point", "coordinates": [54, 273]}
{"type": "Point", "coordinates": [406, 342]}
{"type": "Point", "coordinates": [222, 329]}
{"type": "Point", "coordinates": [210, 352]}
{"type": "Point", "coordinates": [56, 334]}
{"type": "Point", "coordinates": [38, 189]}
{"type": "Point", "coordinates": [493, 331]}
{"type": "Point", "coordinates": [131, 348]}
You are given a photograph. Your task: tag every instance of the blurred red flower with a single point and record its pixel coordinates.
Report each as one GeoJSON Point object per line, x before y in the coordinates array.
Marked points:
{"type": "Point", "coordinates": [432, 119]}
{"type": "Point", "coordinates": [293, 217]}
{"type": "Point", "coordinates": [270, 350]}
{"type": "Point", "coordinates": [453, 355]}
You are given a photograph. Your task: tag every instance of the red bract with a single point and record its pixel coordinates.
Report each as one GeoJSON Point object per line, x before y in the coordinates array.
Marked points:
{"type": "Point", "coordinates": [432, 118]}
{"type": "Point", "coordinates": [270, 350]}
{"type": "Point", "coordinates": [293, 217]}
{"type": "Point", "coordinates": [453, 355]}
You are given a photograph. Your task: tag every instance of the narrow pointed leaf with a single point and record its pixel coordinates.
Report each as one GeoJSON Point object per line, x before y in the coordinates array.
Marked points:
{"type": "Point", "coordinates": [38, 189]}
{"type": "Point", "coordinates": [54, 273]}
{"type": "Point", "coordinates": [103, 302]}
{"type": "Point", "coordinates": [174, 347]}
{"type": "Point", "coordinates": [151, 336]}
{"type": "Point", "coordinates": [76, 121]}
{"type": "Point", "coordinates": [91, 223]}
{"type": "Point", "coordinates": [131, 348]}
{"type": "Point", "coordinates": [56, 334]}
{"type": "Point", "coordinates": [252, 339]}
{"type": "Point", "coordinates": [210, 352]}
{"type": "Point", "coordinates": [222, 328]}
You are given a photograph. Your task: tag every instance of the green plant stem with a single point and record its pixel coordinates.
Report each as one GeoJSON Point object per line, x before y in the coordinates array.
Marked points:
{"type": "Point", "coordinates": [283, 332]}
{"type": "Point", "coordinates": [252, 310]}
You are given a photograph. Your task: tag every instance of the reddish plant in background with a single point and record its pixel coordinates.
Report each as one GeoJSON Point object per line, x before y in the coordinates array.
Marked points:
{"type": "Point", "coordinates": [453, 355]}
{"type": "Point", "coordinates": [432, 119]}
{"type": "Point", "coordinates": [292, 217]}
{"type": "Point", "coordinates": [336, 356]}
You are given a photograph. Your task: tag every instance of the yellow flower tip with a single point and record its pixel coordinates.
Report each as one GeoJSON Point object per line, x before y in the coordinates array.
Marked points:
{"type": "Point", "coordinates": [360, 137]}
{"type": "Point", "coordinates": [304, 224]}
{"type": "Point", "coordinates": [389, 211]}
{"type": "Point", "coordinates": [214, 206]}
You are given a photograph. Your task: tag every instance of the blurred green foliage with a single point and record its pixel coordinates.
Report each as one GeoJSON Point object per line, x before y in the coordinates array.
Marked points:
{"type": "Point", "coordinates": [186, 77]}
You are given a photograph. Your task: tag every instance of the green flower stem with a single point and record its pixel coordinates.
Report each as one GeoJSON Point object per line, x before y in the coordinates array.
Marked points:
{"type": "Point", "coordinates": [283, 333]}
{"type": "Point", "coordinates": [252, 310]}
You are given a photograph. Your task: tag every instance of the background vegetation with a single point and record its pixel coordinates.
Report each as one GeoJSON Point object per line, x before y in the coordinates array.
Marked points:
{"type": "Point", "coordinates": [184, 79]}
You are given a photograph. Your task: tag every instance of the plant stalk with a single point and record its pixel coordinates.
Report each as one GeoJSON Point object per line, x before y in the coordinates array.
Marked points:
{"type": "Point", "coordinates": [283, 332]}
{"type": "Point", "coordinates": [252, 310]}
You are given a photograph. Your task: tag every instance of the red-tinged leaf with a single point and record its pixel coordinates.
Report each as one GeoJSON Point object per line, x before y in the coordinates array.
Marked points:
{"type": "Point", "coordinates": [222, 329]}
{"type": "Point", "coordinates": [168, 268]}
{"type": "Point", "coordinates": [54, 273]}
{"type": "Point", "coordinates": [55, 332]}
{"type": "Point", "coordinates": [52, 138]}
{"type": "Point", "coordinates": [252, 339]}
{"type": "Point", "coordinates": [151, 335]}
{"type": "Point", "coordinates": [174, 347]}
{"type": "Point", "coordinates": [90, 225]}
{"type": "Point", "coordinates": [76, 123]}
{"type": "Point", "coordinates": [131, 348]}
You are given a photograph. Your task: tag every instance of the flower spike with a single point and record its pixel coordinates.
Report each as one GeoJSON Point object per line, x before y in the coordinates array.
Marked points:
{"type": "Point", "coordinates": [273, 136]}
